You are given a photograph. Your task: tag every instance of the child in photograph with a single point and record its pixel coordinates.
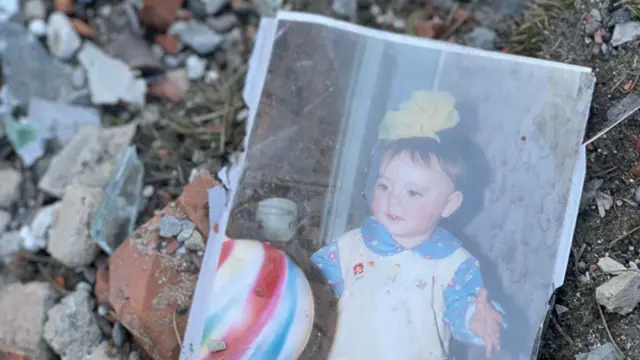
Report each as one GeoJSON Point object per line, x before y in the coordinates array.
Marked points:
{"type": "Point", "coordinates": [405, 284]}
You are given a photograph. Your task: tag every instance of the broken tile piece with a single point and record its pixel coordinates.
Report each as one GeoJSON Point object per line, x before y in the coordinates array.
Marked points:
{"type": "Point", "coordinates": [624, 33]}
{"type": "Point", "coordinates": [604, 352]}
{"type": "Point", "coordinates": [62, 39]}
{"type": "Point", "coordinates": [197, 36]}
{"type": "Point", "coordinates": [10, 189]}
{"type": "Point", "coordinates": [169, 226]}
{"type": "Point", "coordinates": [116, 215]}
{"type": "Point", "coordinates": [72, 330]}
{"type": "Point", "coordinates": [620, 294]}
{"type": "Point", "coordinates": [27, 68]}
{"type": "Point", "coordinates": [26, 139]}
{"type": "Point", "coordinates": [110, 79]}
{"type": "Point", "coordinates": [22, 319]}
{"type": "Point", "coordinates": [61, 121]}
{"type": "Point", "coordinates": [194, 201]}
{"type": "Point", "coordinates": [69, 239]}
{"type": "Point", "coordinates": [87, 159]}
{"type": "Point", "coordinates": [134, 51]}
{"type": "Point", "coordinates": [610, 266]}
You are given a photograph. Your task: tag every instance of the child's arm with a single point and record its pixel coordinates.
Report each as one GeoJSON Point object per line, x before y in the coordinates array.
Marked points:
{"type": "Point", "coordinates": [327, 259]}
{"type": "Point", "coordinates": [461, 297]}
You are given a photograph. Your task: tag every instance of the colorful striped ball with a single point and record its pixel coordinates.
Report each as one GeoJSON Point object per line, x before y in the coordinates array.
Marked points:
{"type": "Point", "coordinates": [261, 305]}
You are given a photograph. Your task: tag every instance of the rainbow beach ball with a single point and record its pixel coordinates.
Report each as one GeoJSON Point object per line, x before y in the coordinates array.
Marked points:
{"type": "Point", "coordinates": [261, 306]}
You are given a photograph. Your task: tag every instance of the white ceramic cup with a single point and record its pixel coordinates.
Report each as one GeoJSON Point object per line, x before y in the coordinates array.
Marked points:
{"type": "Point", "coordinates": [277, 219]}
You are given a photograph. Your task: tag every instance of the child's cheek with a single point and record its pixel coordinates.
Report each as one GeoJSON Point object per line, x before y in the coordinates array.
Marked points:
{"type": "Point", "coordinates": [375, 206]}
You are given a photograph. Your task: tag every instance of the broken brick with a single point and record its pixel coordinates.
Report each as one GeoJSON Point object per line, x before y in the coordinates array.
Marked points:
{"type": "Point", "coordinates": [160, 14]}
{"type": "Point", "coordinates": [165, 89]}
{"type": "Point", "coordinates": [12, 354]}
{"type": "Point", "coordinates": [84, 29]}
{"type": "Point", "coordinates": [168, 43]}
{"type": "Point", "coordinates": [194, 201]}
{"type": "Point", "coordinates": [101, 288]}
{"type": "Point", "coordinates": [149, 288]}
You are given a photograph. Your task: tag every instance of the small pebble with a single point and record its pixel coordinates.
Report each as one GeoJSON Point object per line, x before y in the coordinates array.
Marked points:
{"type": "Point", "coordinates": [637, 195]}
{"type": "Point", "coordinates": [560, 309]}
{"type": "Point", "coordinates": [211, 77]}
{"type": "Point", "coordinates": [169, 226]}
{"type": "Point", "coordinates": [89, 274]}
{"type": "Point", "coordinates": [148, 191]}
{"type": "Point", "coordinates": [633, 265]}
{"type": "Point", "coordinates": [242, 115]}
{"type": "Point", "coordinates": [583, 278]}
{"type": "Point", "coordinates": [195, 67]}
{"type": "Point", "coordinates": [582, 266]}
{"type": "Point", "coordinates": [38, 27]}
{"type": "Point", "coordinates": [119, 334]}
{"type": "Point", "coordinates": [195, 242]}
{"type": "Point", "coordinates": [187, 231]}
{"type": "Point", "coordinates": [83, 285]}
{"type": "Point", "coordinates": [103, 310]}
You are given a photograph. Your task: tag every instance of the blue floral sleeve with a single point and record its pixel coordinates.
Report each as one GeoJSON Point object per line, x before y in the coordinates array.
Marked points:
{"type": "Point", "coordinates": [327, 260]}
{"type": "Point", "coordinates": [460, 299]}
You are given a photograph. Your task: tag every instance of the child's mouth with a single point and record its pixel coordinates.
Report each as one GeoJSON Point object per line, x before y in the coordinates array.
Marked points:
{"type": "Point", "coordinates": [392, 217]}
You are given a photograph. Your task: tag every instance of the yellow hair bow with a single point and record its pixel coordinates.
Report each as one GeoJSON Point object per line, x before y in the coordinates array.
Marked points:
{"type": "Point", "coordinates": [424, 115]}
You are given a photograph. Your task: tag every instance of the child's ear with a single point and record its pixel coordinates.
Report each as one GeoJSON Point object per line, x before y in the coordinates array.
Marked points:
{"type": "Point", "coordinates": [453, 203]}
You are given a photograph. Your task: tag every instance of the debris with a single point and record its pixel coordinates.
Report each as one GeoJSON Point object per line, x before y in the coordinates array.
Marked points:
{"type": "Point", "coordinates": [101, 288]}
{"type": "Point", "coordinates": [621, 293]}
{"type": "Point", "coordinates": [197, 36]}
{"type": "Point", "coordinates": [87, 159]}
{"type": "Point", "coordinates": [116, 215]}
{"type": "Point", "coordinates": [223, 23]}
{"type": "Point", "coordinates": [35, 235]}
{"type": "Point", "coordinates": [592, 23]}
{"type": "Point", "coordinates": [430, 29]}
{"type": "Point", "coordinates": [482, 38]}
{"type": "Point", "coordinates": [617, 113]}
{"type": "Point", "coordinates": [187, 231]}
{"type": "Point", "coordinates": [169, 43]}
{"type": "Point", "coordinates": [103, 310]}
{"type": "Point", "coordinates": [560, 309]}
{"type": "Point", "coordinates": [110, 80]}
{"type": "Point", "coordinates": [194, 201]}
{"type": "Point", "coordinates": [10, 243]}
{"type": "Point", "coordinates": [25, 139]}
{"type": "Point", "coordinates": [24, 311]}
{"type": "Point", "coordinates": [166, 89]}
{"type": "Point", "coordinates": [5, 219]}
{"type": "Point", "coordinates": [610, 266]}
{"type": "Point", "coordinates": [119, 334]}
{"type": "Point", "coordinates": [148, 191]}
{"type": "Point", "coordinates": [104, 351]}
{"type": "Point", "coordinates": [34, 9]}
{"type": "Point", "coordinates": [10, 189]}
{"type": "Point", "coordinates": [71, 329]}
{"type": "Point", "coordinates": [69, 238]}
{"type": "Point", "coordinates": [180, 77]}
{"type": "Point", "coordinates": [619, 16]}
{"type": "Point", "coordinates": [195, 67]}
{"type": "Point", "coordinates": [84, 286]}
{"type": "Point", "coordinates": [160, 14]}
{"type": "Point", "coordinates": [204, 8]}
{"type": "Point", "coordinates": [38, 27]}
{"type": "Point", "coordinates": [604, 352]}
{"type": "Point", "coordinates": [345, 8]}
{"type": "Point", "coordinates": [211, 77]}
{"type": "Point", "coordinates": [195, 242]}
{"type": "Point", "coordinates": [61, 121]}
{"type": "Point", "coordinates": [169, 226]}
{"type": "Point", "coordinates": [134, 51]}
{"type": "Point", "coordinates": [62, 39]}
{"type": "Point", "coordinates": [623, 33]}
{"type": "Point", "coordinates": [28, 70]}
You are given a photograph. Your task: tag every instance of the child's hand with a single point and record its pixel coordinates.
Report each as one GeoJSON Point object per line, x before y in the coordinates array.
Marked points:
{"type": "Point", "coordinates": [485, 323]}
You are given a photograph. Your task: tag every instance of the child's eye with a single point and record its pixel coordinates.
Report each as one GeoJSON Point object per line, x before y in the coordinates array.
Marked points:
{"type": "Point", "coordinates": [413, 193]}
{"type": "Point", "coordinates": [384, 187]}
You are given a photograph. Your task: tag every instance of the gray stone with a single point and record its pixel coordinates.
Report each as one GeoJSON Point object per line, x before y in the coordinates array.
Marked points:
{"type": "Point", "coordinates": [5, 219]}
{"type": "Point", "coordinates": [620, 16]}
{"type": "Point", "coordinates": [624, 33]}
{"type": "Point", "coordinates": [187, 231]}
{"type": "Point", "coordinates": [69, 239]}
{"type": "Point", "coordinates": [169, 226]}
{"type": "Point", "coordinates": [195, 242]}
{"type": "Point", "coordinates": [38, 27]}
{"type": "Point", "coordinates": [105, 351]}
{"type": "Point", "coordinates": [62, 39]}
{"type": "Point", "coordinates": [87, 159]}
{"type": "Point", "coordinates": [90, 274]}
{"type": "Point", "coordinates": [223, 23]}
{"type": "Point", "coordinates": [28, 69]}
{"type": "Point", "coordinates": [610, 266]}
{"type": "Point", "coordinates": [482, 38]}
{"type": "Point", "coordinates": [24, 311]}
{"type": "Point", "coordinates": [34, 9]}
{"type": "Point", "coordinates": [61, 121]}
{"type": "Point", "coordinates": [346, 8]}
{"type": "Point", "coordinates": [10, 189]}
{"type": "Point", "coordinates": [561, 309]}
{"type": "Point", "coordinates": [195, 66]}
{"type": "Point", "coordinates": [197, 36]}
{"type": "Point", "coordinates": [604, 352]}
{"type": "Point", "coordinates": [621, 294]}
{"type": "Point", "coordinates": [72, 330]}
{"type": "Point", "coordinates": [10, 243]}
{"type": "Point", "coordinates": [119, 334]}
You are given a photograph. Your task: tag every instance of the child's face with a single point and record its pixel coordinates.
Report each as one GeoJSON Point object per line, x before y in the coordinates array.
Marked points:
{"type": "Point", "coordinates": [410, 197]}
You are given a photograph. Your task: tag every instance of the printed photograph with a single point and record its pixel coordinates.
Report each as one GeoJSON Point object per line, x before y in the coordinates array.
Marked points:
{"type": "Point", "coordinates": [399, 200]}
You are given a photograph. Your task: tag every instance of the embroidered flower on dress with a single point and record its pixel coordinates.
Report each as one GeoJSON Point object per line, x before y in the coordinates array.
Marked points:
{"type": "Point", "coordinates": [396, 269]}
{"type": "Point", "coordinates": [372, 263]}
{"type": "Point", "coordinates": [358, 269]}
{"type": "Point", "coordinates": [421, 284]}
{"type": "Point", "coordinates": [332, 255]}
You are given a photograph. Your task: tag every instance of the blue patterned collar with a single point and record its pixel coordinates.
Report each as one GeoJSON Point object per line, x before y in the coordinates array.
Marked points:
{"type": "Point", "coordinates": [377, 239]}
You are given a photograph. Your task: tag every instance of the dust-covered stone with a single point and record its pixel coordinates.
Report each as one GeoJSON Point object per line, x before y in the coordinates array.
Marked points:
{"type": "Point", "coordinates": [10, 189]}
{"type": "Point", "coordinates": [22, 317]}
{"type": "Point", "coordinates": [621, 294]}
{"type": "Point", "coordinates": [610, 266]}
{"type": "Point", "coordinates": [604, 352]}
{"type": "Point", "coordinates": [72, 330]}
{"type": "Point", "coordinates": [105, 351]}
